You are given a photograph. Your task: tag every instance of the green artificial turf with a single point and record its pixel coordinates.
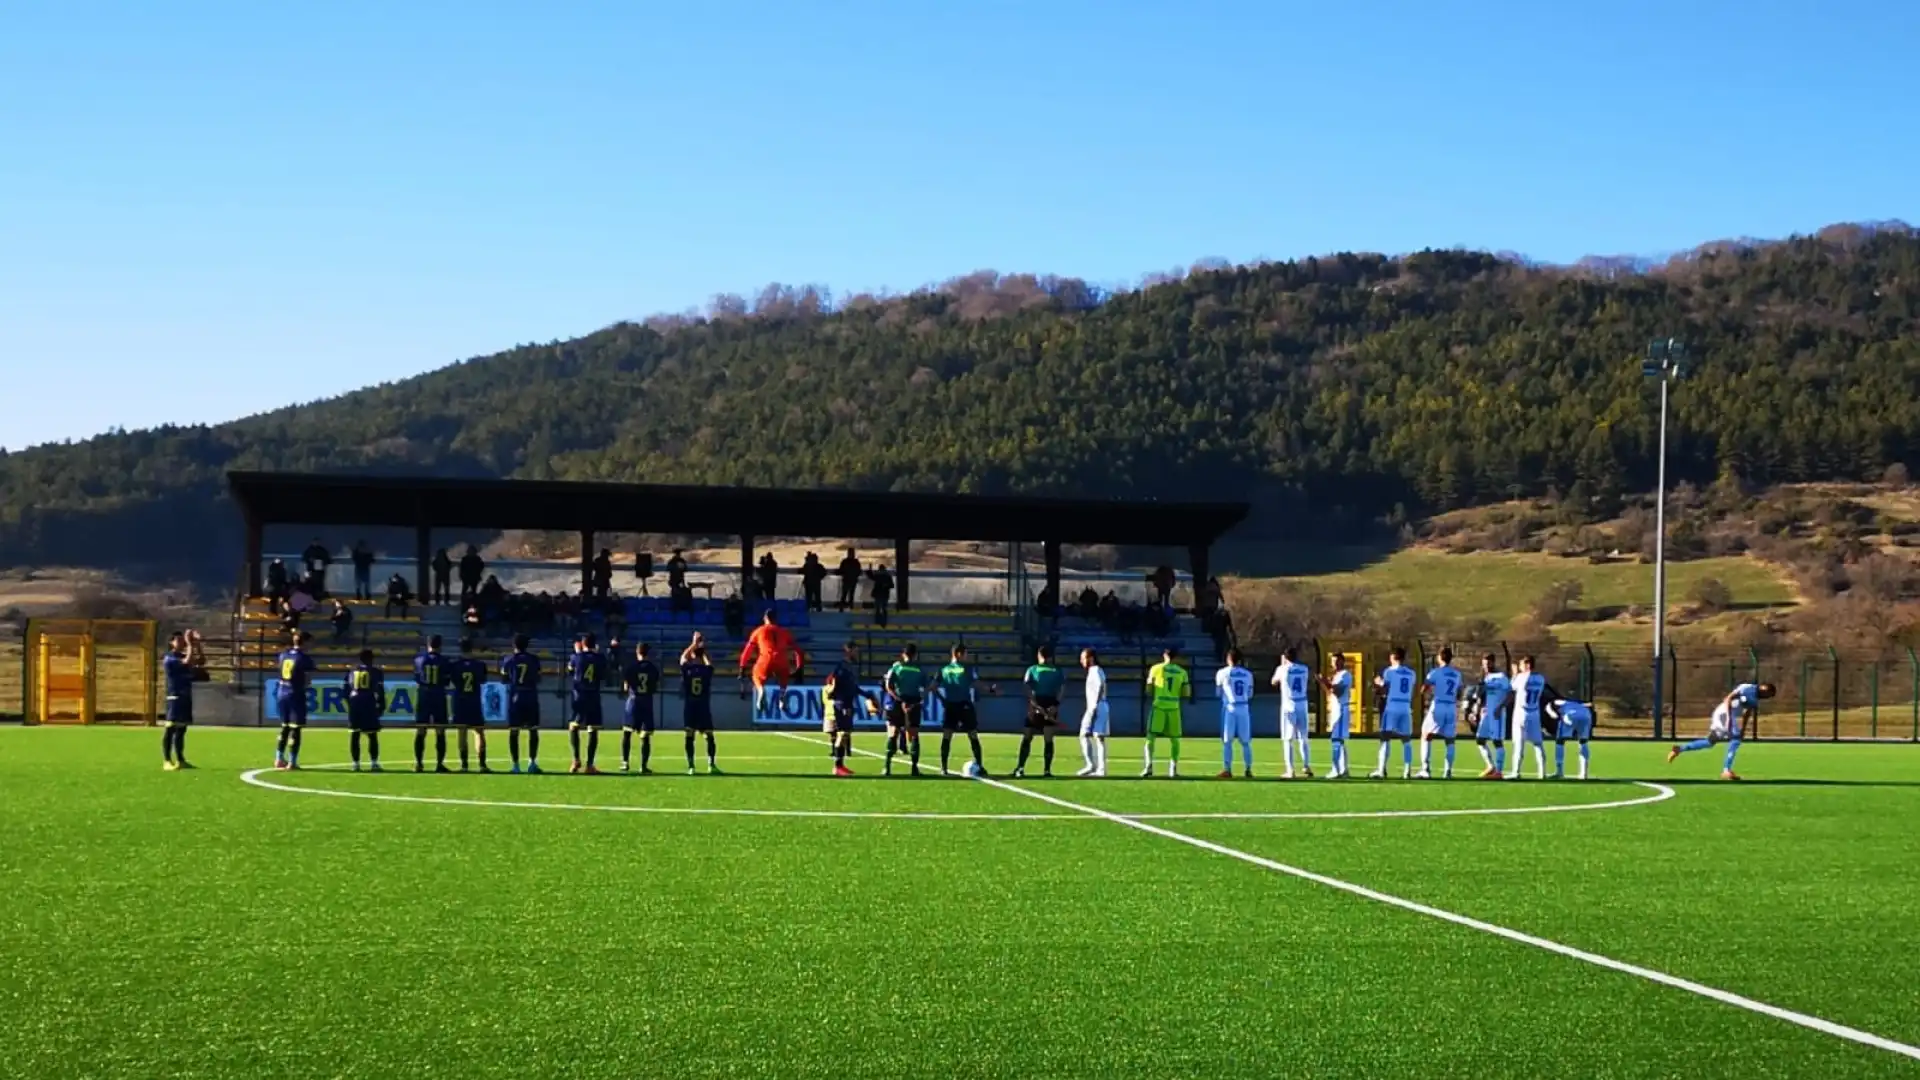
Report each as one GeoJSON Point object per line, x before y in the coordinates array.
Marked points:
{"type": "Point", "coordinates": [193, 925]}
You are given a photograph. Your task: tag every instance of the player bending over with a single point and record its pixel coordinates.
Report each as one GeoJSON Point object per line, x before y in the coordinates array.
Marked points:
{"type": "Point", "coordinates": [1093, 721]}
{"type": "Point", "coordinates": [290, 700]}
{"type": "Point", "coordinates": [1575, 721]}
{"type": "Point", "coordinates": [1339, 688]}
{"type": "Point", "coordinates": [432, 677]}
{"type": "Point", "coordinates": [906, 689]}
{"type": "Point", "coordinates": [1296, 724]}
{"type": "Point", "coordinates": [1170, 686]}
{"type": "Point", "coordinates": [1233, 685]}
{"type": "Point", "coordinates": [842, 701]}
{"type": "Point", "coordinates": [366, 703]}
{"type": "Point", "coordinates": [1729, 721]}
{"type": "Point", "coordinates": [958, 687]}
{"type": "Point", "coordinates": [521, 670]}
{"type": "Point", "coordinates": [1490, 733]}
{"type": "Point", "coordinates": [1044, 683]}
{"type": "Point", "coordinates": [696, 685]}
{"type": "Point", "coordinates": [586, 671]}
{"type": "Point", "coordinates": [469, 712]}
{"type": "Point", "coordinates": [1396, 685]}
{"type": "Point", "coordinates": [1530, 695]}
{"type": "Point", "coordinates": [1443, 684]}
{"type": "Point", "coordinates": [641, 682]}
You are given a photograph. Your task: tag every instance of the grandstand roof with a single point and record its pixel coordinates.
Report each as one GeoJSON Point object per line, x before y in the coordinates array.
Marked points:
{"type": "Point", "coordinates": [558, 505]}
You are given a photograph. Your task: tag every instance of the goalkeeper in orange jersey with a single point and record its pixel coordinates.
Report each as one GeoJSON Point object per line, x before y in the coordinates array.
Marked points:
{"type": "Point", "coordinates": [772, 656]}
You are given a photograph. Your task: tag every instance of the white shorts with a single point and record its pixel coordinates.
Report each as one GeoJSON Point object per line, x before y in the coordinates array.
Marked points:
{"type": "Point", "coordinates": [1440, 721]}
{"type": "Point", "coordinates": [1526, 727]}
{"type": "Point", "coordinates": [1236, 722]}
{"type": "Point", "coordinates": [1296, 723]}
{"type": "Point", "coordinates": [1492, 727]}
{"type": "Point", "coordinates": [1342, 724]}
{"type": "Point", "coordinates": [1095, 720]}
{"type": "Point", "coordinates": [1725, 723]}
{"type": "Point", "coordinates": [1397, 720]}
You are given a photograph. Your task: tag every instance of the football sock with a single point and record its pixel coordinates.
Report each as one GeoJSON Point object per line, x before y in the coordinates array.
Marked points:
{"type": "Point", "coordinates": [1540, 761]}
{"type": "Point", "coordinates": [573, 741]}
{"type": "Point", "coordinates": [279, 747]}
{"type": "Point", "coordinates": [1086, 750]}
{"type": "Point", "coordinates": [1406, 753]}
{"type": "Point", "coordinates": [463, 752]}
{"type": "Point", "coordinates": [1046, 754]}
{"type": "Point", "coordinates": [626, 744]}
{"type": "Point", "coordinates": [913, 750]}
{"type": "Point", "coordinates": [533, 746]}
{"type": "Point", "coordinates": [1339, 753]}
{"type": "Point", "coordinates": [1226, 753]}
{"type": "Point", "coordinates": [1100, 753]}
{"type": "Point", "coordinates": [1426, 755]}
{"type": "Point", "coordinates": [1697, 744]}
{"type": "Point", "coordinates": [1584, 759]}
{"type": "Point", "coordinates": [946, 749]}
{"type": "Point", "coordinates": [646, 748]}
{"type": "Point", "coordinates": [1386, 748]}
{"type": "Point", "coordinates": [1026, 747]}
{"type": "Point", "coordinates": [353, 746]}
{"type": "Point", "coordinates": [1173, 748]}
{"type": "Point", "coordinates": [1733, 748]}
{"type": "Point", "coordinates": [689, 749]}
{"type": "Point", "coordinates": [166, 744]}
{"type": "Point", "coordinates": [180, 745]}
{"type": "Point", "coordinates": [593, 744]}
{"type": "Point", "coordinates": [293, 746]}
{"type": "Point", "coordinates": [1486, 756]}
{"type": "Point", "coordinates": [1306, 754]}
{"type": "Point", "coordinates": [974, 742]}
{"type": "Point", "coordinates": [1449, 755]}
{"type": "Point", "coordinates": [440, 748]}
{"type": "Point", "coordinates": [1559, 756]}
{"type": "Point", "coordinates": [419, 747]}
{"type": "Point", "coordinates": [709, 749]}
{"type": "Point", "coordinates": [1246, 751]}
{"type": "Point", "coordinates": [373, 746]}
{"type": "Point", "coordinates": [513, 746]}
{"type": "Point", "coordinates": [1146, 755]}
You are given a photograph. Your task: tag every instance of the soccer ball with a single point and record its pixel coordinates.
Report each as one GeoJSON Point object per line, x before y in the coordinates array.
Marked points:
{"type": "Point", "coordinates": [970, 769]}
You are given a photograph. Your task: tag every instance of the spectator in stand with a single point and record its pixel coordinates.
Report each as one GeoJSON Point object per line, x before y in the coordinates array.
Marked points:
{"type": "Point", "coordinates": [642, 569]}
{"type": "Point", "coordinates": [882, 592]}
{"type": "Point", "coordinates": [1126, 622]}
{"type": "Point", "coordinates": [813, 574]}
{"type": "Point", "coordinates": [602, 575]}
{"type": "Point", "coordinates": [1163, 580]}
{"type": "Point", "coordinates": [316, 558]}
{"type": "Point", "coordinates": [471, 620]}
{"type": "Point", "coordinates": [1160, 619]}
{"type": "Point", "coordinates": [342, 619]}
{"type": "Point", "coordinates": [1047, 604]}
{"type": "Point", "coordinates": [492, 597]}
{"type": "Point", "coordinates": [472, 569]}
{"type": "Point", "coordinates": [615, 610]}
{"type": "Point", "coordinates": [565, 611]}
{"type": "Point", "coordinates": [399, 594]}
{"type": "Point", "coordinates": [769, 576]}
{"type": "Point", "coordinates": [1088, 606]}
{"type": "Point", "coordinates": [278, 587]}
{"type": "Point", "coordinates": [362, 557]}
{"type": "Point", "coordinates": [849, 580]}
{"type": "Point", "coordinates": [733, 614]}
{"type": "Point", "coordinates": [442, 577]}
{"type": "Point", "coordinates": [1110, 609]}
{"type": "Point", "coordinates": [677, 573]}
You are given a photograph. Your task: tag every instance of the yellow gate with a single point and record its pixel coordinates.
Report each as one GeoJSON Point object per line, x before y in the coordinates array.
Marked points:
{"type": "Point", "coordinates": [85, 671]}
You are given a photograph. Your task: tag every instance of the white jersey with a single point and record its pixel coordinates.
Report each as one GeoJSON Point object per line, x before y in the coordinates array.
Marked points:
{"type": "Point", "coordinates": [1293, 679]}
{"type": "Point", "coordinates": [1235, 687]}
{"type": "Point", "coordinates": [1446, 681]}
{"type": "Point", "coordinates": [1340, 695]}
{"type": "Point", "coordinates": [1096, 688]}
{"type": "Point", "coordinates": [1398, 683]}
{"type": "Point", "coordinates": [1529, 690]}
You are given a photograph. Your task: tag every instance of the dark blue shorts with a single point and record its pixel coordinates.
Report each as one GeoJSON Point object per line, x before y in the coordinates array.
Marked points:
{"type": "Point", "coordinates": [363, 717]}
{"type": "Point", "coordinates": [179, 710]}
{"type": "Point", "coordinates": [698, 716]}
{"type": "Point", "coordinates": [639, 713]}
{"type": "Point", "coordinates": [523, 712]}
{"type": "Point", "coordinates": [432, 708]}
{"type": "Point", "coordinates": [292, 708]}
{"type": "Point", "coordinates": [467, 712]}
{"type": "Point", "coordinates": [587, 710]}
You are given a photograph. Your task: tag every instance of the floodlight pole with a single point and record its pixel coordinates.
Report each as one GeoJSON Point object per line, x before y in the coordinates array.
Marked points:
{"type": "Point", "coordinates": [1663, 361]}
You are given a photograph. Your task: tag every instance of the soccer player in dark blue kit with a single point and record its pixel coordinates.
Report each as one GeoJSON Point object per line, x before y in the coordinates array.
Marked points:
{"type": "Point", "coordinates": [180, 673]}
{"type": "Point", "coordinates": [696, 684]}
{"type": "Point", "coordinates": [641, 681]}
{"type": "Point", "coordinates": [432, 677]}
{"type": "Point", "coordinates": [841, 702]}
{"type": "Point", "coordinates": [586, 671]}
{"type": "Point", "coordinates": [521, 671]}
{"type": "Point", "coordinates": [290, 700]}
{"type": "Point", "coordinates": [366, 703]}
{"type": "Point", "coordinates": [469, 685]}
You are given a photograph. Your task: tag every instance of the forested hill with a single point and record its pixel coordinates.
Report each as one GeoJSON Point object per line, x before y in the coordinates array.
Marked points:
{"type": "Point", "coordinates": [1353, 383]}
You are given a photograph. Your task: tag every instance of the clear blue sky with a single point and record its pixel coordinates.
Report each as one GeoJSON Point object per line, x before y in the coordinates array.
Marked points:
{"type": "Point", "coordinates": [207, 210]}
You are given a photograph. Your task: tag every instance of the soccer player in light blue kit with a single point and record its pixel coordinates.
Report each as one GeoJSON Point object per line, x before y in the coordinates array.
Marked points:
{"type": "Point", "coordinates": [1728, 722]}
{"type": "Point", "coordinates": [1575, 722]}
{"type": "Point", "coordinates": [1496, 694]}
{"type": "Point", "coordinates": [1396, 685]}
{"type": "Point", "coordinates": [1339, 687]}
{"type": "Point", "coordinates": [1530, 695]}
{"type": "Point", "coordinates": [1296, 723]}
{"type": "Point", "coordinates": [1233, 685]}
{"type": "Point", "coordinates": [1443, 712]}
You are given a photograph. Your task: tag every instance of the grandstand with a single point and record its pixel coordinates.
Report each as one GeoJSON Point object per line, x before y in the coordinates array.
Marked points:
{"type": "Point", "coordinates": [1000, 637]}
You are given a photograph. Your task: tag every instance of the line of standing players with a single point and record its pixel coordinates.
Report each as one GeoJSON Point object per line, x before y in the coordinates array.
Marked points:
{"type": "Point", "coordinates": [450, 694]}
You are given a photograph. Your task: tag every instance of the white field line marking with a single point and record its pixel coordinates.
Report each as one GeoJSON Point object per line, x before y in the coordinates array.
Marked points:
{"type": "Point", "coordinates": [255, 778]}
{"type": "Point", "coordinates": [1813, 1023]}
